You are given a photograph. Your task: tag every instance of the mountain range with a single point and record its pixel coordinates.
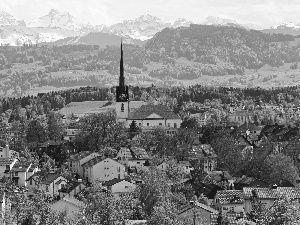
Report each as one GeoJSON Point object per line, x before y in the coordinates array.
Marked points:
{"type": "Point", "coordinates": [57, 25]}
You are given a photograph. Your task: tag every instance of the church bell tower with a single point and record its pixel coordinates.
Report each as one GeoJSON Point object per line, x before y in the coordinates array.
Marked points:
{"type": "Point", "coordinates": [122, 96]}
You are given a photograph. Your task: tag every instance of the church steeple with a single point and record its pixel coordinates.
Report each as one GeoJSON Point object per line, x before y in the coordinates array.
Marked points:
{"type": "Point", "coordinates": [122, 90]}
{"type": "Point", "coordinates": [121, 78]}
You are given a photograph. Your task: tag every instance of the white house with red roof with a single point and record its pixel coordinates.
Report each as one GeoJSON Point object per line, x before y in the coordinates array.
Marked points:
{"type": "Point", "coordinates": [103, 169]}
{"type": "Point", "coordinates": [75, 161]}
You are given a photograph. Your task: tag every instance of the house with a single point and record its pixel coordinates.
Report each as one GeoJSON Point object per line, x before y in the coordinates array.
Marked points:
{"type": "Point", "coordinates": [206, 156]}
{"type": "Point", "coordinates": [71, 204]}
{"type": "Point", "coordinates": [49, 182]}
{"type": "Point", "coordinates": [71, 188]}
{"type": "Point", "coordinates": [135, 158]}
{"type": "Point", "coordinates": [197, 213]}
{"type": "Point", "coordinates": [21, 171]}
{"type": "Point", "coordinates": [220, 178]}
{"type": "Point", "coordinates": [208, 190]}
{"type": "Point", "coordinates": [267, 196]}
{"type": "Point", "coordinates": [6, 164]}
{"type": "Point", "coordinates": [119, 186]}
{"type": "Point", "coordinates": [240, 117]}
{"type": "Point", "coordinates": [75, 161]}
{"type": "Point", "coordinates": [230, 201]}
{"type": "Point", "coordinates": [244, 181]}
{"type": "Point", "coordinates": [103, 169]}
{"type": "Point", "coordinates": [183, 166]}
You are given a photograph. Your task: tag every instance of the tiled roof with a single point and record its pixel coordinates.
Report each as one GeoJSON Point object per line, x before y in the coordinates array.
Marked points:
{"type": "Point", "coordinates": [230, 197]}
{"type": "Point", "coordinates": [112, 182]}
{"type": "Point", "coordinates": [189, 206]}
{"type": "Point", "coordinates": [92, 162]}
{"type": "Point", "coordinates": [49, 178]}
{"type": "Point", "coordinates": [38, 174]}
{"type": "Point", "coordinates": [70, 187]}
{"type": "Point", "coordinates": [146, 110]}
{"type": "Point", "coordinates": [266, 193]}
{"type": "Point", "coordinates": [80, 155]}
{"type": "Point", "coordinates": [6, 161]}
{"type": "Point", "coordinates": [21, 166]}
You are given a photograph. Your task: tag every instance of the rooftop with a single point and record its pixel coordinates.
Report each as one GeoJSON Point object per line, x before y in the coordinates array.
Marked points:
{"type": "Point", "coordinates": [146, 110]}
{"type": "Point", "coordinates": [230, 197]}
{"type": "Point", "coordinates": [6, 161]}
{"type": "Point", "coordinates": [80, 155]}
{"type": "Point", "coordinates": [50, 177]}
{"type": "Point", "coordinates": [267, 193]}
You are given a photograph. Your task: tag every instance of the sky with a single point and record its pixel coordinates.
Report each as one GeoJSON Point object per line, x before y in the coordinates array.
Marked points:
{"type": "Point", "coordinates": [265, 13]}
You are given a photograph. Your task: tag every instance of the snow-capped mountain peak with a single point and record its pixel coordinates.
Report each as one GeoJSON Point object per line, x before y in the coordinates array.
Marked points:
{"type": "Point", "coordinates": [286, 25]}
{"type": "Point", "coordinates": [213, 20]}
{"type": "Point", "coordinates": [181, 22]}
{"type": "Point", "coordinates": [7, 20]}
{"type": "Point", "coordinates": [147, 18]}
{"type": "Point", "coordinates": [62, 20]}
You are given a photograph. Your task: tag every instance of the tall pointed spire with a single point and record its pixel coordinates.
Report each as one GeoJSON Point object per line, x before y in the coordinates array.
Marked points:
{"type": "Point", "coordinates": [122, 90]}
{"type": "Point", "coordinates": [121, 78]}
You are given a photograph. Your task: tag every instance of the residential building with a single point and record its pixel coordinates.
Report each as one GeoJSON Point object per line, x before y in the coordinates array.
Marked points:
{"type": "Point", "coordinates": [75, 161]}
{"type": "Point", "coordinates": [197, 213]}
{"type": "Point", "coordinates": [230, 201]}
{"type": "Point", "coordinates": [71, 188]}
{"type": "Point", "coordinates": [103, 169]}
{"type": "Point", "coordinates": [267, 196]}
{"type": "Point", "coordinates": [21, 171]}
{"type": "Point", "coordinates": [70, 134]}
{"type": "Point", "coordinates": [206, 156]}
{"type": "Point", "coordinates": [134, 158]}
{"type": "Point", "coordinates": [240, 117]}
{"type": "Point", "coordinates": [6, 164]}
{"type": "Point", "coordinates": [50, 182]}
{"type": "Point", "coordinates": [118, 187]}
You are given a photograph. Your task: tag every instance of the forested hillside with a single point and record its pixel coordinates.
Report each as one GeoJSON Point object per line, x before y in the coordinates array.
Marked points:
{"type": "Point", "coordinates": [169, 58]}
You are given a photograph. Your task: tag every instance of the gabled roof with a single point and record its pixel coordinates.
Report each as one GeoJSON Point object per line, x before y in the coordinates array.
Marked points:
{"type": "Point", "coordinates": [21, 166]}
{"type": "Point", "coordinates": [80, 155]}
{"type": "Point", "coordinates": [189, 206]}
{"type": "Point", "coordinates": [266, 193]}
{"type": "Point", "coordinates": [112, 182]}
{"type": "Point", "coordinates": [70, 187]}
{"type": "Point", "coordinates": [146, 110]}
{"type": "Point", "coordinates": [49, 178]}
{"type": "Point", "coordinates": [230, 197]}
{"type": "Point", "coordinates": [97, 160]}
{"type": "Point", "coordinates": [139, 153]}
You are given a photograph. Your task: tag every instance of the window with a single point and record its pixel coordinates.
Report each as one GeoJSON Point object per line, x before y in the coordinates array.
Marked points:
{"type": "Point", "coordinates": [140, 124]}
{"type": "Point", "coordinates": [138, 162]}
{"type": "Point", "coordinates": [147, 124]}
{"type": "Point", "coordinates": [30, 182]}
{"type": "Point", "coordinates": [71, 164]}
{"type": "Point", "coordinates": [119, 176]}
{"type": "Point", "coordinates": [47, 188]}
{"type": "Point", "coordinates": [7, 167]}
{"type": "Point", "coordinates": [175, 125]}
{"type": "Point", "coordinates": [119, 169]}
{"type": "Point", "coordinates": [16, 174]}
{"type": "Point", "coordinates": [169, 125]}
{"type": "Point", "coordinates": [122, 107]}
{"type": "Point", "coordinates": [126, 187]}
{"type": "Point", "coordinates": [160, 124]}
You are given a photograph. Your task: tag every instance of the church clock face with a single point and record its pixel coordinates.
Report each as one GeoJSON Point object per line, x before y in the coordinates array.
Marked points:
{"type": "Point", "coordinates": [122, 97]}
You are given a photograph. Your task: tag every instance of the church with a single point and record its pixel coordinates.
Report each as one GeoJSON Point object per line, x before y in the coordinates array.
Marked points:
{"type": "Point", "coordinates": [147, 117]}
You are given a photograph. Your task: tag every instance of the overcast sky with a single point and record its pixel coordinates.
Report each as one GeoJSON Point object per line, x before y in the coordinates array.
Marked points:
{"type": "Point", "coordinates": [262, 12]}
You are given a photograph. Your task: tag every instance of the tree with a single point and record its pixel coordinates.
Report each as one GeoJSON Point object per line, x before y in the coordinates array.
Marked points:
{"type": "Point", "coordinates": [280, 167]}
{"type": "Point", "coordinates": [55, 126]}
{"type": "Point", "coordinates": [133, 129]}
{"type": "Point", "coordinates": [99, 131]}
{"type": "Point", "coordinates": [37, 130]}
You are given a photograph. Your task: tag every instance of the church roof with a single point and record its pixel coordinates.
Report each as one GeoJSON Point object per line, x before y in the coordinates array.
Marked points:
{"type": "Point", "coordinates": [146, 110]}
